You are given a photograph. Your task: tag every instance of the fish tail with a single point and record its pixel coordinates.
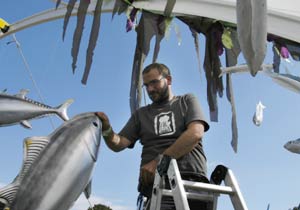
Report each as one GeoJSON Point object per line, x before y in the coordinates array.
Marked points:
{"type": "Point", "coordinates": [8, 193]}
{"type": "Point", "coordinates": [62, 109]}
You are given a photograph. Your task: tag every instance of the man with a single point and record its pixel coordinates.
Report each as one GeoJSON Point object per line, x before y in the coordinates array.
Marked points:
{"type": "Point", "coordinates": [171, 126]}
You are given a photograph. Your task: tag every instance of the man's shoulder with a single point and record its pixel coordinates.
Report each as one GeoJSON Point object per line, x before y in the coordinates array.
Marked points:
{"type": "Point", "coordinates": [142, 109]}
{"type": "Point", "coordinates": [187, 96]}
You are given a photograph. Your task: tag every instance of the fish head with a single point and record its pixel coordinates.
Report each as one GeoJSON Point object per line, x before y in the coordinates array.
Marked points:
{"type": "Point", "coordinates": [287, 145]}
{"type": "Point", "coordinates": [260, 106]}
{"type": "Point", "coordinates": [293, 146]}
{"type": "Point", "coordinates": [88, 128]}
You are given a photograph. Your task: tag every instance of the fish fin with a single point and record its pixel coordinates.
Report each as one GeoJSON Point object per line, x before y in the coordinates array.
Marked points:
{"type": "Point", "coordinates": [8, 193]}
{"type": "Point", "coordinates": [22, 93]}
{"type": "Point", "coordinates": [88, 190]}
{"type": "Point", "coordinates": [26, 124]}
{"type": "Point", "coordinates": [62, 109]}
{"type": "Point", "coordinates": [32, 147]}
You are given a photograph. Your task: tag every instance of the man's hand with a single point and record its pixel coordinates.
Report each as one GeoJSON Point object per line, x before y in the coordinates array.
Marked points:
{"type": "Point", "coordinates": [105, 121]}
{"type": "Point", "coordinates": [148, 172]}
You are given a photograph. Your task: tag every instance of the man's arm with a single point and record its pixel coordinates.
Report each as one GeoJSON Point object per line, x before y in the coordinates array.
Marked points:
{"type": "Point", "coordinates": [184, 144]}
{"type": "Point", "coordinates": [186, 141]}
{"type": "Point", "coordinates": [114, 141]}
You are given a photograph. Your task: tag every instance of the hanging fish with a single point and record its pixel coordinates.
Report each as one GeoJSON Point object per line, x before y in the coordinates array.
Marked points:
{"type": "Point", "coordinates": [150, 25]}
{"type": "Point", "coordinates": [68, 14]}
{"type": "Point", "coordinates": [244, 68]}
{"type": "Point", "coordinates": [81, 15]}
{"type": "Point", "coordinates": [56, 168]}
{"type": "Point", "coordinates": [288, 81]}
{"type": "Point", "coordinates": [120, 6]}
{"type": "Point", "coordinates": [92, 41]}
{"type": "Point", "coordinates": [293, 146]}
{"type": "Point", "coordinates": [252, 31]}
{"type": "Point", "coordinates": [18, 109]}
{"type": "Point", "coordinates": [4, 26]}
{"type": "Point", "coordinates": [57, 3]}
{"type": "Point", "coordinates": [258, 115]}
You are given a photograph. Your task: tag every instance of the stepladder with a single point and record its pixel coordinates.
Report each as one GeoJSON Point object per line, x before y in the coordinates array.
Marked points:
{"type": "Point", "coordinates": [184, 190]}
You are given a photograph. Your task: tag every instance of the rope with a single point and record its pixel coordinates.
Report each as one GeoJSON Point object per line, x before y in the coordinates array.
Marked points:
{"type": "Point", "coordinates": [90, 203]}
{"type": "Point", "coordinates": [30, 73]}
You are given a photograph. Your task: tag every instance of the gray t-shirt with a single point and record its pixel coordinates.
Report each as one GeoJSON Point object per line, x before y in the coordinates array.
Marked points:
{"type": "Point", "coordinates": [158, 126]}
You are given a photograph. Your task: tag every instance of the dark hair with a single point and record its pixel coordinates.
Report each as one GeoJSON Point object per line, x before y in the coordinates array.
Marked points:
{"type": "Point", "coordinates": [162, 69]}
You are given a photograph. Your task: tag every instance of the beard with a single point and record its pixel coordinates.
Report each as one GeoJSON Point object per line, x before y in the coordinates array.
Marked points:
{"type": "Point", "coordinates": [159, 96]}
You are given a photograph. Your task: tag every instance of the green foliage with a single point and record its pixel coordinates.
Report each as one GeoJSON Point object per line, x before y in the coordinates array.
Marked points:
{"type": "Point", "coordinates": [100, 207]}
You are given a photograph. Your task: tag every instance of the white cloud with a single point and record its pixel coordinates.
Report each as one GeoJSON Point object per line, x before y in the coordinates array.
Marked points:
{"type": "Point", "coordinates": [83, 204]}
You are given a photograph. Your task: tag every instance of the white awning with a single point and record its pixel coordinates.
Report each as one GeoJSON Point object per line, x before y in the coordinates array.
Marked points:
{"type": "Point", "coordinates": [283, 16]}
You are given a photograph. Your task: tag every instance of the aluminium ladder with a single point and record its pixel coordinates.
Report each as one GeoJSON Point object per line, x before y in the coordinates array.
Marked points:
{"type": "Point", "coordinates": [183, 189]}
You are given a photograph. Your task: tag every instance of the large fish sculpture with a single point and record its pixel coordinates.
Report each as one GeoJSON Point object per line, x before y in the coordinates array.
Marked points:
{"type": "Point", "coordinates": [56, 168]}
{"type": "Point", "coordinates": [293, 146]}
{"type": "Point", "coordinates": [252, 31]}
{"type": "Point", "coordinates": [19, 109]}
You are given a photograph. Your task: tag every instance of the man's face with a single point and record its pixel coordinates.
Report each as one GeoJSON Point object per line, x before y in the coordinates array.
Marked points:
{"type": "Point", "coordinates": [156, 86]}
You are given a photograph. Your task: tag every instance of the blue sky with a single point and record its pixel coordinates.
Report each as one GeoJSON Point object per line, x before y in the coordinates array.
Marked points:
{"type": "Point", "coordinates": [266, 172]}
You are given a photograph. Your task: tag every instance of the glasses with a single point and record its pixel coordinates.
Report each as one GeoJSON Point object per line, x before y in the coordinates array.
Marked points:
{"type": "Point", "coordinates": [153, 83]}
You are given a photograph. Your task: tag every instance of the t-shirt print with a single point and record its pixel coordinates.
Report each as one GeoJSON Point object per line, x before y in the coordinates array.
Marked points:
{"type": "Point", "coordinates": [164, 124]}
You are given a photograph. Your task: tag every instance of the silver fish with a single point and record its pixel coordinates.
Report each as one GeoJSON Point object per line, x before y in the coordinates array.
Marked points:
{"type": "Point", "coordinates": [18, 109]}
{"type": "Point", "coordinates": [258, 115]}
{"type": "Point", "coordinates": [56, 168]}
{"type": "Point", "coordinates": [243, 69]}
{"type": "Point", "coordinates": [288, 81]}
{"type": "Point", "coordinates": [293, 146]}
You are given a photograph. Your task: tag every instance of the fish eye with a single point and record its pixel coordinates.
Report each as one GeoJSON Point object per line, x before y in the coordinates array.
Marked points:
{"type": "Point", "coordinates": [95, 124]}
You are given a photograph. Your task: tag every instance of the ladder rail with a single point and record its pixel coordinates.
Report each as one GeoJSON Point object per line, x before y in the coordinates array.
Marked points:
{"type": "Point", "coordinates": [177, 187]}
{"type": "Point", "coordinates": [237, 199]}
{"type": "Point", "coordinates": [157, 192]}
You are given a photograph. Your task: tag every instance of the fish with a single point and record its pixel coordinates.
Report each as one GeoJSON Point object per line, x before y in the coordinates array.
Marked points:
{"type": "Point", "coordinates": [17, 108]}
{"type": "Point", "coordinates": [288, 81]}
{"type": "Point", "coordinates": [81, 15]}
{"type": "Point", "coordinates": [243, 69]}
{"type": "Point", "coordinates": [56, 168]}
{"type": "Point", "coordinates": [252, 31]}
{"type": "Point", "coordinates": [92, 41]}
{"type": "Point", "coordinates": [293, 146]}
{"type": "Point", "coordinates": [258, 115]}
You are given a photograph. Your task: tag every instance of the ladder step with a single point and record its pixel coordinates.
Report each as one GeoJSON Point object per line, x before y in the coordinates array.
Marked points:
{"type": "Point", "coordinates": [207, 187]}
{"type": "Point", "coordinates": [202, 196]}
